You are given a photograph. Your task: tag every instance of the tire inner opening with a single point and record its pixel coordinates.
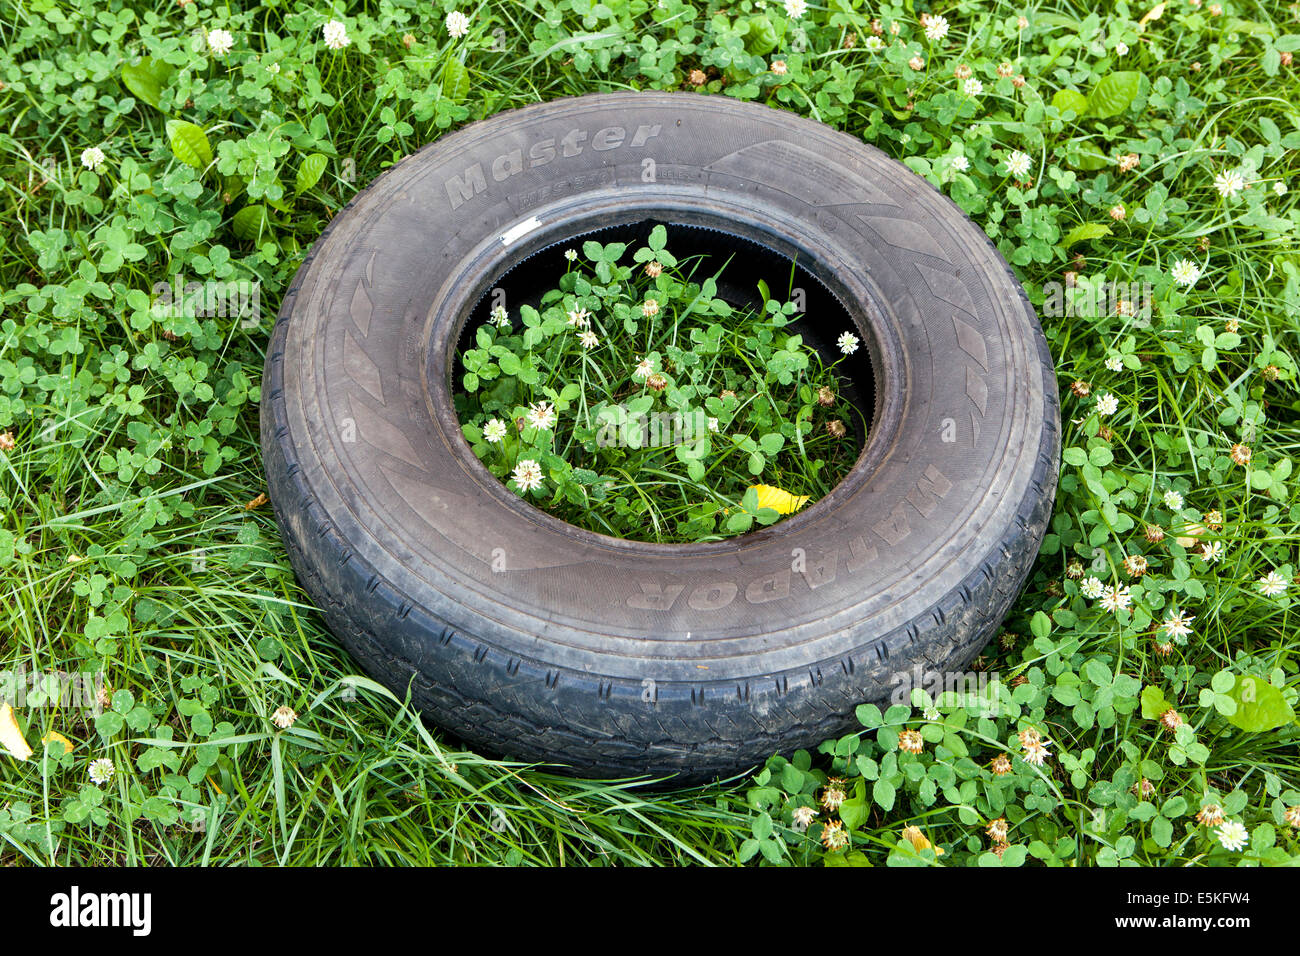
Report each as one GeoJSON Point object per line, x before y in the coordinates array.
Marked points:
{"type": "Point", "coordinates": [743, 263]}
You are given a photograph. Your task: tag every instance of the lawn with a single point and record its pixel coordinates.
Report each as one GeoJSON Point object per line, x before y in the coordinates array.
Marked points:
{"type": "Point", "coordinates": [1132, 163]}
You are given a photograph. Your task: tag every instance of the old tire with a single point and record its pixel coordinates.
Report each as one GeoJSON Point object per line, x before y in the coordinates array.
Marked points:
{"type": "Point", "coordinates": [612, 657]}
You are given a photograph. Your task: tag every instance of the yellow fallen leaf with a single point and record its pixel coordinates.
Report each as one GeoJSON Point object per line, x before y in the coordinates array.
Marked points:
{"type": "Point", "coordinates": [914, 836]}
{"type": "Point", "coordinates": [256, 502]}
{"type": "Point", "coordinates": [1155, 13]}
{"type": "Point", "coordinates": [53, 736]}
{"type": "Point", "coordinates": [782, 502]}
{"type": "Point", "coordinates": [11, 738]}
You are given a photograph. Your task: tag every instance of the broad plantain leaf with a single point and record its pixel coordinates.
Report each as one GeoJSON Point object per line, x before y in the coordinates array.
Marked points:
{"type": "Point", "coordinates": [1071, 100]}
{"type": "Point", "coordinates": [762, 37]}
{"type": "Point", "coordinates": [1153, 702]}
{"type": "Point", "coordinates": [250, 223]}
{"type": "Point", "coordinates": [1260, 705]}
{"type": "Point", "coordinates": [455, 80]}
{"type": "Point", "coordinates": [1083, 232]}
{"type": "Point", "coordinates": [1114, 93]}
{"type": "Point", "coordinates": [147, 79]}
{"type": "Point", "coordinates": [189, 144]}
{"type": "Point", "coordinates": [310, 172]}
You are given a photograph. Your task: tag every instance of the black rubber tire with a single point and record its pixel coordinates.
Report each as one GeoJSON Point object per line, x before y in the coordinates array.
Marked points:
{"type": "Point", "coordinates": [614, 657]}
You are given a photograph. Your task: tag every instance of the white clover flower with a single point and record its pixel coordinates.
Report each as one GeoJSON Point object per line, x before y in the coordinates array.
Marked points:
{"type": "Point", "coordinates": [457, 24]}
{"type": "Point", "coordinates": [284, 717]}
{"type": "Point", "coordinates": [713, 424]}
{"type": "Point", "coordinates": [273, 68]}
{"type": "Point", "coordinates": [973, 87]}
{"type": "Point", "coordinates": [874, 44]}
{"type": "Point", "coordinates": [803, 818]}
{"type": "Point", "coordinates": [541, 415]}
{"type": "Point", "coordinates": [795, 8]}
{"type": "Point", "coordinates": [101, 771]}
{"type": "Point", "coordinates": [1177, 625]}
{"type": "Point", "coordinates": [1121, 48]}
{"type": "Point", "coordinates": [570, 254]}
{"type": "Point", "coordinates": [1173, 500]}
{"type": "Point", "coordinates": [1185, 272]}
{"type": "Point", "coordinates": [644, 369]}
{"type": "Point", "coordinates": [494, 430]}
{"type": "Point", "coordinates": [1212, 552]}
{"type": "Point", "coordinates": [1272, 584]}
{"type": "Point", "coordinates": [588, 339]}
{"type": "Point", "coordinates": [579, 319]}
{"type": "Point", "coordinates": [848, 343]}
{"type": "Point", "coordinates": [1018, 164]}
{"type": "Point", "coordinates": [1229, 182]}
{"type": "Point", "coordinates": [1036, 752]}
{"type": "Point", "coordinates": [1116, 599]}
{"type": "Point", "coordinates": [1091, 588]}
{"type": "Point", "coordinates": [527, 474]}
{"type": "Point", "coordinates": [1107, 405]}
{"type": "Point", "coordinates": [936, 28]}
{"type": "Point", "coordinates": [220, 42]}
{"type": "Point", "coordinates": [500, 317]}
{"type": "Point", "coordinates": [1232, 835]}
{"type": "Point", "coordinates": [960, 163]}
{"type": "Point", "coordinates": [1115, 363]}
{"type": "Point", "coordinates": [1279, 188]}
{"type": "Point", "coordinates": [336, 35]}
{"type": "Point", "coordinates": [92, 158]}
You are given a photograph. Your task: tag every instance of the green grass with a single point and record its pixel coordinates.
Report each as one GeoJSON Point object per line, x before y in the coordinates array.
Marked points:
{"type": "Point", "coordinates": [126, 548]}
{"type": "Point", "coordinates": [669, 423]}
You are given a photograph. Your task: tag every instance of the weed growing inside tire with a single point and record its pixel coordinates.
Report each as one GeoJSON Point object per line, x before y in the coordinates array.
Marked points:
{"type": "Point", "coordinates": [637, 403]}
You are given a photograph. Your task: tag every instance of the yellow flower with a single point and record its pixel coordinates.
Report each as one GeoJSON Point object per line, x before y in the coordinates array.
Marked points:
{"type": "Point", "coordinates": [782, 502]}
